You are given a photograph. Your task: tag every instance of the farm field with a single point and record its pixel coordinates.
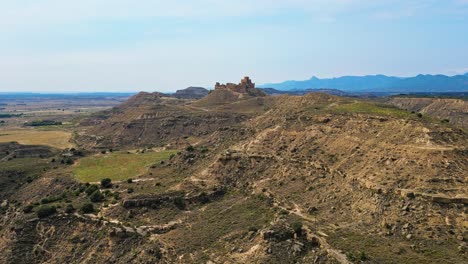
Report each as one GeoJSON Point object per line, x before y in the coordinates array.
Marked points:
{"type": "Point", "coordinates": [56, 139]}
{"type": "Point", "coordinates": [117, 166]}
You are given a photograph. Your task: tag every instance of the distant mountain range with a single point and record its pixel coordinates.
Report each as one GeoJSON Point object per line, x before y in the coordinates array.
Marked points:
{"type": "Point", "coordinates": [380, 83]}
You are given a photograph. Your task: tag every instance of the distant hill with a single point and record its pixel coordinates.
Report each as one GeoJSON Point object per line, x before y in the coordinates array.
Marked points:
{"type": "Point", "coordinates": [380, 83]}
{"type": "Point", "coordinates": [272, 91]}
{"type": "Point", "coordinates": [191, 93]}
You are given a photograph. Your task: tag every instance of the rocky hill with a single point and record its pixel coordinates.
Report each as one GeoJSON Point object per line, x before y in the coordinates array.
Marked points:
{"type": "Point", "coordinates": [191, 93]}
{"type": "Point", "coordinates": [255, 179]}
{"type": "Point", "coordinates": [452, 110]}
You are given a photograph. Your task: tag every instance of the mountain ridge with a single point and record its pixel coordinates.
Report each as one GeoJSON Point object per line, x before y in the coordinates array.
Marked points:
{"type": "Point", "coordinates": [381, 83]}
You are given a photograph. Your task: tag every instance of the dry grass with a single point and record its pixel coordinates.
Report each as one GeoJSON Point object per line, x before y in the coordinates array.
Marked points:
{"type": "Point", "coordinates": [56, 139]}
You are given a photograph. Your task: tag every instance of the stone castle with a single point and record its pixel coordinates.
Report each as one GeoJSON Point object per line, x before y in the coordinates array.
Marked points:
{"type": "Point", "coordinates": [245, 86]}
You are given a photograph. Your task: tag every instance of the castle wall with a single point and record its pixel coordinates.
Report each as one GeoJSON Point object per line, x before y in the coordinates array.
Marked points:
{"type": "Point", "coordinates": [245, 85]}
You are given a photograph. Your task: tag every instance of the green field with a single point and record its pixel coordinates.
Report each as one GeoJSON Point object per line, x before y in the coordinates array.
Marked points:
{"type": "Point", "coordinates": [371, 108]}
{"type": "Point", "coordinates": [117, 166]}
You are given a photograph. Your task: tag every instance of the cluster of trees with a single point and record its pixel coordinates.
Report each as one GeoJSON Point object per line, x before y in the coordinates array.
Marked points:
{"type": "Point", "coordinates": [93, 191]}
{"type": "Point", "coordinates": [10, 115]}
{"type": "Point", "coordinates": [43, 123]}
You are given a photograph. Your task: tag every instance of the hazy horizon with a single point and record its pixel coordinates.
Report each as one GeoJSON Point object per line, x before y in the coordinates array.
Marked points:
{"type": "Point", "coordinates": [52, 46]}
{"type": "Point", "coordinates": [209, 87]}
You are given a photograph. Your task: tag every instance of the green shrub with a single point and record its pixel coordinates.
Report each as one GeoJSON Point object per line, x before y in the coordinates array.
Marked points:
{"type": "Point", "coordinates": [179, 203]}
{"type": "Point", "coordinates": [106, 183]}
{"type": "Point", "coordinates": [253, 229]}
{"type": "Point", "coordinates": [190, 148]}
{"type": "Point", "coordinates": [297, 227]}
{"type": "Point", "coordinates": [51, 199]}
{"type": "Point", "coordinates": [69, 209]}
{"type": "Point", "coordinates": [45, 211]}
{"type": "Point", "coordinates": [204, 149]}
{"type": "Point", "coordinates": [87, 208]}
{"type": "Point", "coordinates": [96, 196]}
{"type": "Point", "coordinates": [28, 208]}
{"type": "Point", "coordinates": [363, 256]}
{"type": "Point", "coordinates": [129, 180]}
{"type": "Point", "coordinates": [358, 257]}
{"type": "Point", "coordinates": [419, 115]}
{"type": "Point", "coordinates": [91, 189]}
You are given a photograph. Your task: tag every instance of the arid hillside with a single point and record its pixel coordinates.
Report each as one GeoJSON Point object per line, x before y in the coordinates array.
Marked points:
{"type": "Point", "coordinates": [246, 178]}
{"type": "Point", "coordinates": [453, 110]}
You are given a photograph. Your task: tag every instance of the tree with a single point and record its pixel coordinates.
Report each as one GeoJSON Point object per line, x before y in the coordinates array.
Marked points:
{"type": "Point", "coordinates": [96, 196]}
{"type": "Point", "coordinates": [69, 209]}
{"type": "Point", "coordinates": [45, 211]}
{"type": "Point", "coordinates": [87, 208]}
{"type": "Point", "coordinates": [91, 189]}
{"type": "Point", "coordinates": [106, 183]}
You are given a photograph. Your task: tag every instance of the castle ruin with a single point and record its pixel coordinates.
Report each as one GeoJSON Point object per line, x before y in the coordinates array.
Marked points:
{"type": "Point", "coordinates": [244, 86]}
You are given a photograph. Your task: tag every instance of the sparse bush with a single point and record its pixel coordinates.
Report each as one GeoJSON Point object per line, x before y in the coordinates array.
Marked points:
{"type": "Point", "coordinates": [130, 190]}
{"type": "Point", "coordinates": [359, 257]}
{"type": "Point", "coordinates": [130, 180]}
{"type": "Point", "coordinates": [51, 199]}
{"type": "Point", "coordinates": [445, 120]}
{"type": "Point", "coordinates": [69, 161]}
{"type": "Point", "coordinates": [297, 227]}
{"type": "Point", "coordinates": [69, 209]}
{"type": "Point", "coordinates": [179, 203]}
{"type": "Point", "coordinates": [106, 183]}
{"type": "Point", "coordinates": [204, 198]}
{"type": "Point", "coordinates": [28, 208]}
{"type": "Point", "coordinates": [204, 149]}
{"type": "Point", "coordinates": [96, 196]}
{"type": "Point", "coordinates": [253, 229]}
{"type": "Point", "coordinates": [190, 148]}
{"type": "Point", "coordinates": [116, 196]}
{"type": "Point", "coordinates": [91, 189]}
{"type": "Point", "coordinates": [419, 115]}
{"type": "Point", "coordinates": [363, 256]}
{"type": "Point", "coordinates": [45, 211]}
{"type": "Point", "coordinates": [87, 208]}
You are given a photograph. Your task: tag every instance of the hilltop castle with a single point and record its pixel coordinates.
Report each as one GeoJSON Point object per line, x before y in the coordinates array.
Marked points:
{"type": "Point", "coordinates": [245, 86]}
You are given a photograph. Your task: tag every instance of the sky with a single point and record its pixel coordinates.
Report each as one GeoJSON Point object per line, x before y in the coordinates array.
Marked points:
{"type": "Point", "coordinates": [155, 45]}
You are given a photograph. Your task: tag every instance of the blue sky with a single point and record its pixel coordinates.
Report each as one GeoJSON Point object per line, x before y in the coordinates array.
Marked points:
{"type": "Point", "coordinates": [153, 45]}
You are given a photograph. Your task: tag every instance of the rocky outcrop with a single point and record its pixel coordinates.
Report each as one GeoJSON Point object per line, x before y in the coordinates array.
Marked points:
{"type": "Point", "coordinates": [191, 93]}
